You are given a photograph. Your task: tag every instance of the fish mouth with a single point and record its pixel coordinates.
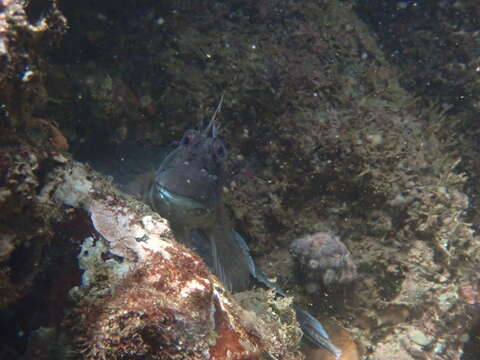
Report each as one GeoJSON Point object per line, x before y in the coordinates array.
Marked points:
{"type": "Point", "coordinates": [181, 202]}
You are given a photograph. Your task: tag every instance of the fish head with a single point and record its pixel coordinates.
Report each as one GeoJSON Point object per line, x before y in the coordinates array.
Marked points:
{"type": "Point", "coordinates": [188, 184]}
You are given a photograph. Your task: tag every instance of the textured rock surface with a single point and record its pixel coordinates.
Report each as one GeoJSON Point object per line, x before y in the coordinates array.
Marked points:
{"type": "Point", "coordinates": [149, 296]}
{"type": "Point", "coordinates": [323, 139]}
{"type": "Point", "coordinates": [323, 259]}
{"type": "Point", "coordinates": [24, 33]}
{"type": "Point", "coordinates": [27, 31]}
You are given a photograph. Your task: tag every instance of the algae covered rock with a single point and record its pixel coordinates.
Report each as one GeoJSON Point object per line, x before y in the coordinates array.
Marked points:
{"type": "Point", "coordinates": [337, 123]}
{"type": "Point", "coordinates": [324, 258]}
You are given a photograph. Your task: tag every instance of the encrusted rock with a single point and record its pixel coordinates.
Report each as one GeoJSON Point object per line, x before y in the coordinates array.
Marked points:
{"type": "Point", "coordinates": [324, 258]}
{"type": "Point", "coordinates": [145, 295]}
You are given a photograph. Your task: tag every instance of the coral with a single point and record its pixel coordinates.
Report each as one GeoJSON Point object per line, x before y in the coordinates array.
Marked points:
{"type": "Point", "coordinates": [324, 258]}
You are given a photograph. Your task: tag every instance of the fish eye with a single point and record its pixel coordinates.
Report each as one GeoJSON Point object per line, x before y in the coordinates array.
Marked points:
{"type": "Point", "coordinates": [220, 150]}
{"type": "Point", "coordinates": [187, 138]}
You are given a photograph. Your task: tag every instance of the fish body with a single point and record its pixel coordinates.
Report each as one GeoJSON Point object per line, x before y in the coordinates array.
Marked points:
{"type": "Point", "coordinates": [187, 191]}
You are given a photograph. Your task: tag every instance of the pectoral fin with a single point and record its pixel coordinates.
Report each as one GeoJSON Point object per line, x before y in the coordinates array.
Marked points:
{"type": "Point", "coordinates": [230, 261]}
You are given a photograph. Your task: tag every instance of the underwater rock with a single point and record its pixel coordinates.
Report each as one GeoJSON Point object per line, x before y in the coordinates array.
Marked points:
{"type": "Point", "coordinates": [27, 31]}
{"type": "Point", "coordinates": [26, 217]}
{"type": "Point", "coordinates": [324, 259]}
{"type": "Point", "coordinates": [324, 137]}
{"type": "Point", "coordinates": [470, 293]}
{"type": "Point", "coordinates": [166, 308]}
{"type": "Point", "coordinates": [144, 294]}
{"type": "Point", "coordinates": [56, 138]}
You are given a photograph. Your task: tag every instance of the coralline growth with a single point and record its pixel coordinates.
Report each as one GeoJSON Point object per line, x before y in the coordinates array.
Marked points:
{"type": "Point", "coordinates": [323, 258]}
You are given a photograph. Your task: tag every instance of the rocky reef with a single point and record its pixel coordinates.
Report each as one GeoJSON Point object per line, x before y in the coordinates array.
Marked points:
{"type": "Point", "coordinates": [329, 133]}
{"type": "Point", "coordinates": [144, 295]}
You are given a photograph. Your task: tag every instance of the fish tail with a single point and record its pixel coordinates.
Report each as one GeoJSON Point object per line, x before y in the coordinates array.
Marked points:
{"type": "Point", "coordinates": [314, 333]}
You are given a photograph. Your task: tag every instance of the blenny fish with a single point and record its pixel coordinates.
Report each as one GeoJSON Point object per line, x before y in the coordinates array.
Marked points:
{"type": "Point", "coordinates": [187, 190]}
